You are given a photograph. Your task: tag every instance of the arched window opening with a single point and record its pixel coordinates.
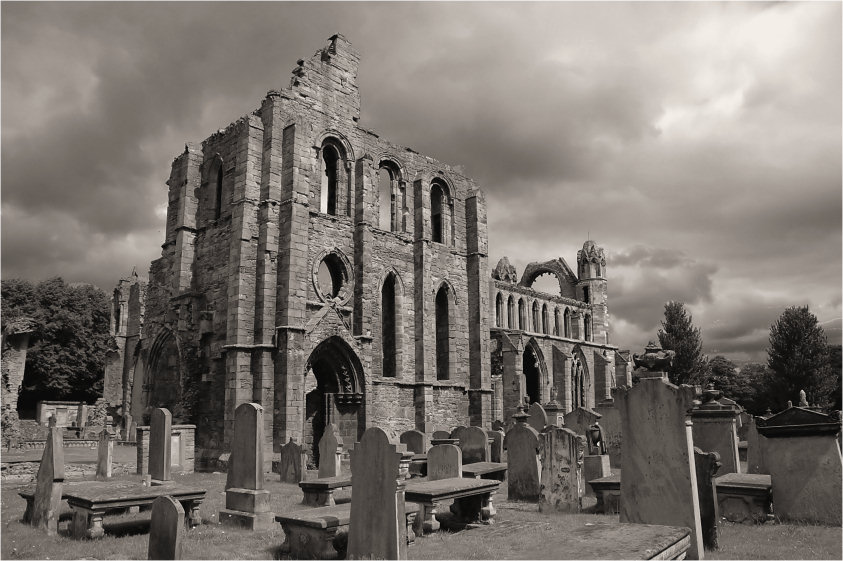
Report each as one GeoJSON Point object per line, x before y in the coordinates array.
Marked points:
{"type": "Point", "coordinates": [598, 269]}
{"type": "Point", "coordinates": [330, 184]}
{"type": "Point", "coordinates": [544, 319]}
{"type": "Point", "coordinates": [386, 199]}
{"type": "Point", "coordinates": [388, 323]}
{"type": "Point", "coordinates": [443, 334]}
{"type": "Point", "coordinates": [510, 315]}
{"type": "Point", "coordinates": [436, 218]}
{"type": "Point", "coordinates": [547, 283]}
{"type": "Point", "coordinates": [536, 318]}
{"type": "Point", "coordinates": [330, 277]}
{"type": "Point", "coordinates": [578, 385]}
{"type": "Point", "coordinates": [218, 193]}
{"type": "Point", "coordinates": [532, 375]}
{"type": "Point", "coordinates": [586, 295]}
{"type": "Point", "coordinates": [587, 326]}
{"type": "Point", "coordinates": [567, 320]}
{"type": "Point", "coordinates": [522, 314]}
{"type": "Point", "coordinates": [499, 310]}
{"type": "Point", "coordinates": [556, 322]}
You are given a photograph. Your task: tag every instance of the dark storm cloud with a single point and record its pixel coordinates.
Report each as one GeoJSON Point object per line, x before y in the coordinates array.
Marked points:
{"type": "Point", "coordinates": [699, 143]}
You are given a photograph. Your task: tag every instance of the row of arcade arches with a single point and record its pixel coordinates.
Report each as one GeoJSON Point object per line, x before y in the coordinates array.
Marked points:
{"type": "Point", "coordinates": [510, 315]}
{"type": "Point", "coordinates": [534, 371]}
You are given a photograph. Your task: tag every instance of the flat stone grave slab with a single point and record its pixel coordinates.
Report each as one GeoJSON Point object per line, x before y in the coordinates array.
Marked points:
{"type": "Point", "coordinates": [485, 470]}
{"type": "Point", "coordinates": [574, 538]}
{"type": "Point", "coordinates": [90, 501]}
{"type": "Point", "coordinates": [744, 497]}
{"type": "Point", "coordinates": [472, 500]}
{"type": "Point", "coordinates": [320, 492]}
{"type": "Point", "coordinates": [608, 492]}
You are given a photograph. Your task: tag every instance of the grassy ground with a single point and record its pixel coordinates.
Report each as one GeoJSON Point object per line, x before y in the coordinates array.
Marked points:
{"type": "Point", "coordinates": [521, 532]}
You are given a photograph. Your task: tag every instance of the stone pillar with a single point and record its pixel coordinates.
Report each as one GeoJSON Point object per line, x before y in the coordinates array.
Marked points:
{"type": "Point", "coordinates": [160, 454]}
{"type": "Point", "coordinates": [480, 369]}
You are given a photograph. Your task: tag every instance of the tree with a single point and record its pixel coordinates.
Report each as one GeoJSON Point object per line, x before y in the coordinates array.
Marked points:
{"type": "Point", "coordinates": [746, 385]}
{"type": "Point", "coordinates": [678, 334]}
{"type": "Point", "coordinates": [67, 351]}
{"type": "Point", "coordinates": [835, 362]}
{"type": "Point", "coordinates": [799, 360]}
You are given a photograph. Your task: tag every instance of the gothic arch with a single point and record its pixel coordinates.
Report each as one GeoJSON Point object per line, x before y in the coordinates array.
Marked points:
{"type": "Point", "coordinates": [556, 267]}
{"type": "Point", "coordinates": [391, 327]}
{"type": "Point", "coordinates": [164, 373]}
{"type": "Point", "coordinates": [534, 370]}
{"type": "Point", "coordinates": [580, 378]}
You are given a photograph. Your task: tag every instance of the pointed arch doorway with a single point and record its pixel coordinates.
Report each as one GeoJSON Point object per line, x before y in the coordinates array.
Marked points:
{"type": "Point", "coordinates": [333, 393]}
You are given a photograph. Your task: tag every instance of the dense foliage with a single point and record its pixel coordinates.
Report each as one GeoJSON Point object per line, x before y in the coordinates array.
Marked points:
{"type": "Point", "coordinates": [67, 351]}
{"type": "Point", "coordinates": [746, 385]}
{"type": "Point", "coordinates": [798, 357]}
{"type": "Point", "coordinates": [679, 334]}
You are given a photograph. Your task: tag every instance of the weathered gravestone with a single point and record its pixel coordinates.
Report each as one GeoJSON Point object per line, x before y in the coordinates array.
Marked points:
{"type": "Point", "coordinates": [444, 461]}
{"type": "Point", "coordinates": [330, 453]}
{"type": "Point", "coordinates": [377, 528]}
{"type": "Point", "coordinates": [49, 482]}
{"type": "Point", "coordinates": [522, 461]}
{"type": "Point", "coordinates": [802, 452]}
{"type": "Point", "coordinates": [246, 501]}
{"type": "Point", "coordinates": [415, 441]}
{"type": "Point", "coordinates": [496, 453]}
{"type": "Point", "coordinates": [160, 440]}
{"type": "Point", "coordinates": [580, 419]}
{"type": "Point", "coordinates": [292, 462]}
{"type": "Point", "coordinates": [610, 422]}
{"type": "Point", "coordinates": [658, 484]}
{"type": "Point", "coordinates": [166, 529]}
{"type": "Point", "coordinates": [457, 432]}
{"type": "Point", "coordinates": [754, 457]}
{"type": "Point", "coordinates": [707, 464]}
{"type": "Point", "coordinates": [440, 435]}
{"type": "Point", "coordinates": [105, 455]}
{"type": "Point", "coordinates": [538, 417]}
{"type": "Point", "coordinates": [716, 429]}
{"type": "Point", "coordinates": [474, 445]}
{"type": "Point", "coordinates": [561, 452]}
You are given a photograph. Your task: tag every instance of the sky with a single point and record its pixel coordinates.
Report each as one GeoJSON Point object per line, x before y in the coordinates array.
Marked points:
{"type": "Point", "coordinates": [698, 143]}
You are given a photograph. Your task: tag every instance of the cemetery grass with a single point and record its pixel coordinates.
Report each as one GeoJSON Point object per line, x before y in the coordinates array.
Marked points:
{"type": "Point", "coordinates": [519, 530]}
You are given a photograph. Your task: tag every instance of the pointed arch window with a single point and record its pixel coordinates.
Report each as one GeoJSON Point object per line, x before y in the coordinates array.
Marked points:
{"type": "Point", "coordinates": [510, 312]}
{"type": "Point", "coordinates": [544, 319]}
{"type": "Point", "coordinates": [443, 334]}
{"type": "Point", "coordinates": [567, 321]}
{"type": "Point", "coordinates": [536, 318]}
{"type": "Point", "coordinates": [388, 327]}
{"type": "Point", "coordinates": [499, 310]}
{"type": "Point", "coordinates": [522, 314]}
{"type": "Point", "coordinates": [556, 321]}
{"type": "Point", "coordinates": [587, 327]}
{"type": "Point", "coordinates": [331, 178]}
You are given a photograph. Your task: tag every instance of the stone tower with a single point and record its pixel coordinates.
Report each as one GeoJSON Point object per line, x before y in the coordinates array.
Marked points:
{"type": "Point", "coordinates": [592, 289]}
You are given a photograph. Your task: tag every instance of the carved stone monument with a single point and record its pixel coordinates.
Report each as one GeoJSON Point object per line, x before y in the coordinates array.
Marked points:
{"type": "Point", "coordinates": [561, 477]}
{"type": "Point", "coordinates": [49, 483]}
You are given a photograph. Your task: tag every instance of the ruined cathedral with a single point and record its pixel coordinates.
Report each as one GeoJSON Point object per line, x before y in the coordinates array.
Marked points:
{"type": "Point", "coordinates": [317, 269]}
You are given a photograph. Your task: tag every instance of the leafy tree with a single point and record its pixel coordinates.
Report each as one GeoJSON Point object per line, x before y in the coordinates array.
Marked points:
{"type": "Point", "coordinates": [835, 362]}
{"type": "Point", "coordinates": [678, 334]}
{"type": "Point", "coordinates": [798, 358]}
{"type": "Point", "coordinates": [67, 352]}
{"type": "Point", "coordinates": [746, 385]}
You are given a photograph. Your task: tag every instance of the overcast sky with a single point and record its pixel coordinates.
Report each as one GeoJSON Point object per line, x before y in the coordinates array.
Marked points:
{"type": "Point", "coordinates": [699, 144]}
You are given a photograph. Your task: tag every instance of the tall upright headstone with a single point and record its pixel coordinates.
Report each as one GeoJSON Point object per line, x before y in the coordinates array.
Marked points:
{"type": "Point", "coordinates": [330, 452]}
{"type": "Point", "coordinates": [754, 457]}
{"type": "Point", "coordinates": [415, 441]}
{"type": "Point", "coordinates": [49, 483]}
{"type": "Point", "coordinates": [105, 455]}
{"type": "Point", "coordinates": [496, 453]}
{"type": "Point", "coordinates": [474, 445]}
{"type": "Point", "coordinates": [716, 429]}
{"type": "Point", "coordinates": [707, 465]}
{"type": "Point", "coordinates": [801, 448]}
{"type": "Point", "coordinates": [538, 417]}
{"type": "Point", "coordinates": [160, 440]}
{"type": "Point", "coordinates": [522, 461]}
{"type": "Point", "coordinates": [659, 480]}
{"type": "Point", "coordinates": [580, 419]}
{"type": "Point", "coordinates": [444, 461]}
{"type": "Point", "coordinates": [377, 527]}
{"type": "Point", "coordinates": [166, 529]}
{"type": "Point", "coordinates": [562, 453]}
{"type": "Point", "coordinates": [292, 462]}
{"type": "Point", "coordinates": [246, 501]}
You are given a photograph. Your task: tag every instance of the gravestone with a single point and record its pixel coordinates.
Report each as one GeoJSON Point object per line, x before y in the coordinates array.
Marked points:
{"type": "Point", "coordinates": [105, 455]}
{"type": "Point", "coordinates": [707, 464]}
{"type": "Point", "coordinates": [377, 528]}
{"type": "Point", "coordinates": [440, 435]}
{"type": "Point", "coordinates": [610, 422]}
{"type": "Point", "coordinates": [246, 501]}
{"type": "Point", "coordinates": [330, 453]}
{"type": "Point", "coordinates": [166, 529]}
{"type": "Point", "coordinates": [49, 483]}
{"type": "Point", "coordinates": [444, 461]}
{"type": "Point", "coordinates": [160, 433]}
{"type": "Point", "coordinates": [291, 464]}
{"type": "Point", "coordinates": [801, 449]}
{"type": "Point", "coordinates": [659, 480]}
{"type": "Point", "coordinates": [754, 457]}
{"type": "Point", "coordinates": [562, 453]}
{"type": "Point", "coordinates": [496, 453]}
{"type": "Point", "coordinates": [474, 445]}
{"type": "Point", "coordinates": [716, 429]}
{"type": "Point", "coordinates": [415, 440]}
{"type": "Point", "coordinates": [522, 461]}
{"type": "Point", "coordinates": [457, 432]}
{"type": "Point", "coordinates": [538, 417]}
{"type": "Point", "coordinates": [580, 419]}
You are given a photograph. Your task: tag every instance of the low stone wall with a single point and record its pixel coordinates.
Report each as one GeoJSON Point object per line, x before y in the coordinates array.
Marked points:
{"type": "Point", "coordinates": [182, 453]}
{"type": "Point", "coordinates": [68, 443]}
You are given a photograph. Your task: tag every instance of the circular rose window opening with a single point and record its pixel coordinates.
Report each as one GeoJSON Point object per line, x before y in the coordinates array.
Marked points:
{"type": "Point", "coordinates": [331, 278]}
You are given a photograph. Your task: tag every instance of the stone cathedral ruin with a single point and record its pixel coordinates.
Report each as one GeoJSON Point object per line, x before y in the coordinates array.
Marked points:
{"type": "Point", "coordinates": [319, 270]}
